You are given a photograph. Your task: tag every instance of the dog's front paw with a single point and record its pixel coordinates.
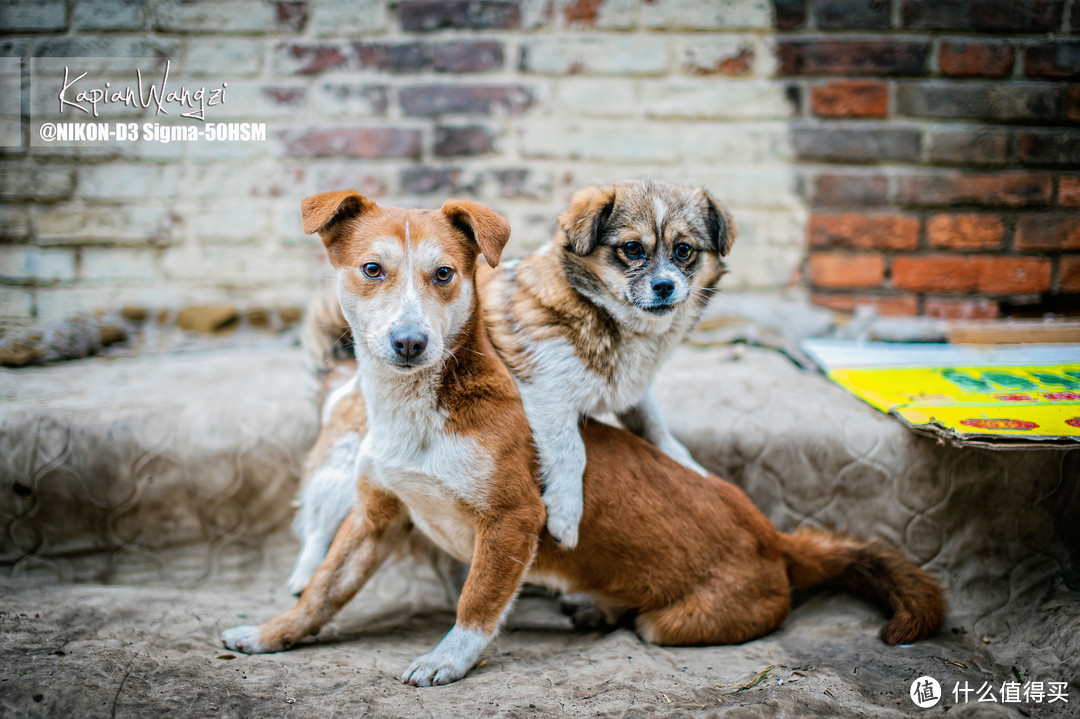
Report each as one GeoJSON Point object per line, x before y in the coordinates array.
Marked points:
{"type": "Point", "coordinates": [433, 669]}
{"type": "Point", "coordinates": [246, 639]}
{"type": "Point", "coordinates": [674, 449]}
{"type": "Point", "coordinates": [563, 518]}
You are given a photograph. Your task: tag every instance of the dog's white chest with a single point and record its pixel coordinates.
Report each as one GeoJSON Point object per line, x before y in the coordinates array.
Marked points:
{"type": "Point", "coordinates": [436, 474]}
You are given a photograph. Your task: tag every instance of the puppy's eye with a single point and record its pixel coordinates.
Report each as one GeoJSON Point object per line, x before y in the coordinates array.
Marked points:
{"type": "Point", "coordinates": [683, 252]}
{"type": "Point", "coordinates": [371, 270]}
{"type": "Point", "coordinates": [443, 275]}
{"type": "Point", "coordinates": [633, 250]}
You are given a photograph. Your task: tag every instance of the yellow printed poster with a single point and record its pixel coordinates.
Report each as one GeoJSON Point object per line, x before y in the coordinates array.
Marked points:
{"type": "Point", "coordinates": [999, 396]}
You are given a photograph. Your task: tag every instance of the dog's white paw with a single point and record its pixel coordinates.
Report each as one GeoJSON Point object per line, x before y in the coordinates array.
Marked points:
{"type": "Point", "coordinates": [563, 518]}
{"type": "Point", "coordinates": [674, 449]}
{"type": "Point", "coordinates": [449, 661]}
{"type": "Point", "coordinates": [245, 639]}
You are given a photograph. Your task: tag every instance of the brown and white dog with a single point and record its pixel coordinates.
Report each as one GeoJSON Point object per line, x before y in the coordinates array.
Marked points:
{"type": "Point", "coordinates": [584, 324]}
{"type": "Point", "coordinates": [448, 451]}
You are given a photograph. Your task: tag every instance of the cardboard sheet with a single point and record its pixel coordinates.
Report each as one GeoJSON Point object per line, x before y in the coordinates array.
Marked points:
{"type": "Point", "coordinates": [1001, 397]}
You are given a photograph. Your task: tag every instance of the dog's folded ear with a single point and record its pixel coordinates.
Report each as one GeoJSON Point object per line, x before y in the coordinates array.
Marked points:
{"type": "Point", "coordinates": [584, 220]}
{"type": "Point", "coordinates": [483, 225]}
{"type": "Point", "coordinates": [718, 222]}
{"type": "Point", "coordinates": [328, 212]}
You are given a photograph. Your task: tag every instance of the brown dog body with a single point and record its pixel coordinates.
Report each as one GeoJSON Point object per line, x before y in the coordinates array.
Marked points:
{"type": "Point", "coordinates": [448, 451]}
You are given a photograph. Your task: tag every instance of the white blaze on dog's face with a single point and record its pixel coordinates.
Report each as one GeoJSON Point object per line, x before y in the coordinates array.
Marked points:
{"type": "Point", "coordinates": [642, 248]}
{"type": "Point", "coordinates": [405, 276]}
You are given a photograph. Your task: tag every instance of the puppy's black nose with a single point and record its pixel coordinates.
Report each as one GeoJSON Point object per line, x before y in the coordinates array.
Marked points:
{"type": "Point", "coordinates": [408, 343]}
{"type": "Point", "coordinates": [663, 288]}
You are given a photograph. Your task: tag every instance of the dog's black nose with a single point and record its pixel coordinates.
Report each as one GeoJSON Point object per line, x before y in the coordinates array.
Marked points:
{"type": "Point", "coordinates": [663, 288]}
{"type": "Point", "coordinates": [408, 343]}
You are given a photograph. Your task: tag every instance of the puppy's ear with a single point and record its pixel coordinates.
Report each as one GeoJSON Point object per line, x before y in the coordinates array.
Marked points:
{"type": "Point", "coordinates": [718, 222]}
{"type": "Point", "coordinates": [327, 214]}
{"type": "Point", "coordinates": [583, 221]}
{"type": "Point", "coordinates": [481, 224]}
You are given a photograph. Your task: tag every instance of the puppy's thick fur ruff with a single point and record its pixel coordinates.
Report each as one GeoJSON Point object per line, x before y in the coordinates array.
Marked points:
{"type": "Point", "coordinates": [584, 330]}
{"type": "Point", "coordinates": [448, 451]}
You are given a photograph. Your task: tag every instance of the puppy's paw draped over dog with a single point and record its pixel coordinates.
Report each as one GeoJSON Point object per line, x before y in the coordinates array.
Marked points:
{"type": "Point", "coordinates": [449, 661]}
{"type": "Point", "coordinates": [674, 449]}
{"type": "Point", "coordinates": [245, 638]}
{"type": "Point", "coordinates": [306, 564]}
{"type": "Point", "coordinates": [564, 511]}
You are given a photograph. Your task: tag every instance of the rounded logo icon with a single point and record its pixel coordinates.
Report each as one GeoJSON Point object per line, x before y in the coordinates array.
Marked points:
{"type": "Point", "coordinates": [1074, 422]}
{"type": "Point", "coordinates": [925, 692]}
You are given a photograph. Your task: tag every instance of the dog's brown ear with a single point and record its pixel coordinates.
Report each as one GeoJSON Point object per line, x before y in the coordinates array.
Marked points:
{"type": "Point", "coordinates": [483, 225]}
{"type": "Point", "coordinates": [590, 207]}
{"type": "Point", "coordinates": [327, 213]}
{"type": "Point", "coordinates": [718, 222]}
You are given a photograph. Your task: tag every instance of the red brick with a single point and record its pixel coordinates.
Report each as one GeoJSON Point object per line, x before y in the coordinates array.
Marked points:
{"type": "Point", "coordinates": [985, 15]}
{"type": "Point", "coordinates": [1008, 189]}
{"type": "Point", "coordinates": [1057, 60]}
{"type": "Point", "coordinates": [430, 15]}
{"type": "Point", "coordinates": [837, 190]}
{"type": "Point", "coordinates": [467, 140]}
{"type": "Point", "coordinates": [961, 58]}
{"type": "Point", "coordinates": [1072, 103]}
{"type": "Point", "coordinates": [399, 57]}
{"type": "Point", "coordinates": [1069, 273]}
{"type": "Point", "coordinates": [853, 57]}
{"type": "Point", "coordinates": [368, 143]}
{"type": "Point", "coordinates": [865, 232]}
{"type": "Point", "coordinates": [979, 308]}
{"type": "Point", "coordinates": [468, 56]}
{"type": "Point", "coordinates": [1069, 191]}
{"type": "Point", "coordinates": [835, 269]}
{"type": "Point", "coordinates": [850, 98]}
{"type": "Point", "coordinates": [935, 273]}
{"type": "Point", "coordinates": [969, 231]}
{"type": "Point", "coordinates": [884, 304]}
{"type": "Point", "coordinates": [311, 59]}
{"type": "Point", "coordinates": [1013, 275]}
{"type": "Point", "coordinates": [1057, 231]}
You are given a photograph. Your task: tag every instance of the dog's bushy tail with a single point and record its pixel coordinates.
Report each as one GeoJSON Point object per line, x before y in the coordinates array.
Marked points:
{"type": "Point", "coordinates": [326, 338]}
{"type": "Point", "coordinates": [817, 557]}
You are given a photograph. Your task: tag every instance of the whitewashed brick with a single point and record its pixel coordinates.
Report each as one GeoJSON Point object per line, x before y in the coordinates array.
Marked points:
{"type": "Point", "coordinates": [769, 249]}
{"type": "Point", "coordinates": [128, 181]}
{"type": "Point", "coordinates": [606, 15]}
{"type": "Point", "coordinates": [20, 15]}
{"type": "Point", "coordinates": [118, 264]}
{"type": "Point", "coordinates": [127, 223]}
{"type": "Point", "coordinates": [60, 303]}
{"type": "Point", "coordinates": [716, 99]}
{"type": "Point", "coordinates": [707, 14]}
{"type": "Point", "coordinates": [36, 263]}
{"type": "Point", "coordinates": [356, 98]}
{"type": "Point", "coordinates": [239, 182]}
{"type": "Point", "coordinates": [335, 18]}
{"type": "Point", "coordinates": [242, 266]}
{"type": "Point", "coordinates": [774, 188]}
{"type": "Point", "coordinates": [260, 100]}
{"type": "Point", "coordinates": [235, 16]}
{"type": "Point", "coordinates": [16, 304]}
{"type": "Point", "coordinates": [14, 221]}
{"type": "Point", "coordinates": [587, 97]}
{"type": "Point", "coordinates": [109, 14]}
{"type": "Point", "coordinates": [19, 181]}
{"type": "Point", "coordinates": [598, 142]}
{"type": "Point", "coordinates": [725, 54]}
{"type": "Point", "coordinates": [595, 55]}
{"type": "Point", "coordinates": [738, 143]}
{"type": "Point", "coordinates": [223, 57]}
{"type": "Point", "coordinates": [232, 223]}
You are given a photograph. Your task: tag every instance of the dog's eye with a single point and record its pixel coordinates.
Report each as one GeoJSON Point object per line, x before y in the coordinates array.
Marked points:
{"type": "Point", "coordinates": [683, 252]}
{"type": "Point", "coordinates": [371, 270]}
{"type": "Point", "coordinates": [633, 250]}
{"type": "Point", "coordinates": [444, 275]}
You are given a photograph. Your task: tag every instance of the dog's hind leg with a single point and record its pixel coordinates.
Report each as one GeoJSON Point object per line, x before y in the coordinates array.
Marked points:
{"type": "Point", "coordinates": [711, 614]}
{"type": "Point", "coordinates": [325, 498]}
{"type": "Point", "coordinates": [366, 538]}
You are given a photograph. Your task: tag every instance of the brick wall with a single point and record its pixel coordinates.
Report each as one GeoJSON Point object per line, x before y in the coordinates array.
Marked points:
{"type": "Point", "coordinates": [918, 156]}
{"type": "Point", "coordinates": [938, 145]}
{"type": "Point", "coordinates": [511, 103]}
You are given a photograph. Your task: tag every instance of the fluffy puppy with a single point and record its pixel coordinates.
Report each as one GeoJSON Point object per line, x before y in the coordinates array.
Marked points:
{"type": "Point", "coordinates": [584, 324]}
